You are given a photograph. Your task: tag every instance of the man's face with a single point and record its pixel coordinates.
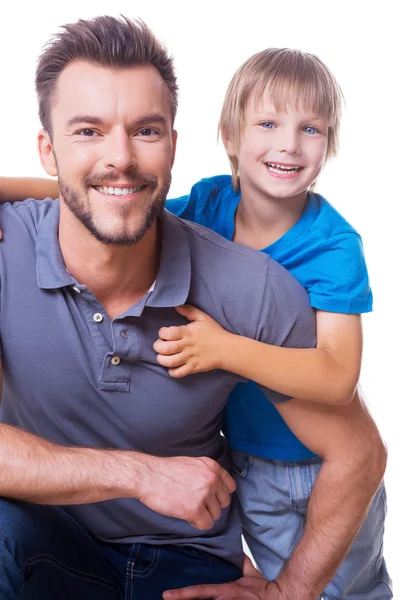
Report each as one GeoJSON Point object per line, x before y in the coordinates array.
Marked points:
{"type": "Point", "coordinates": [113, 147]}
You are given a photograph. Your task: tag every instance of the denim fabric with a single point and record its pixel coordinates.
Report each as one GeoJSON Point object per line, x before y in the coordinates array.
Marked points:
{"type": "Point", "coordinates": [45, 554]}
{"type": "Point", "coordinates": [273, 498]}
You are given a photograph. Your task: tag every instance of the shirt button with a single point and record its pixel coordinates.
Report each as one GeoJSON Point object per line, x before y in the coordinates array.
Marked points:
{"type": "Point", "coordinates": [97, 317]}
{"type": "Point", "coordinates": [115, 360]}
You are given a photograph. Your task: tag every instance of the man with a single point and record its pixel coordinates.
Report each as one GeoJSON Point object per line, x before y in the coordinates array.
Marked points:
{"type": "Point", "coordinates": [131, 459]}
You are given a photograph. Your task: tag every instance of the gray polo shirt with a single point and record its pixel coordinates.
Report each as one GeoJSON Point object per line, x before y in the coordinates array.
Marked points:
{"type": "Point", "coordinates": [73, 376]}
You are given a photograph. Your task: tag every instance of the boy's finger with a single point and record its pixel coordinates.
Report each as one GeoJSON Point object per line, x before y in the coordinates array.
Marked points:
{"type": "Point", "coordinates": [170, 333]}
{"type": "Point", "coordinates": [179, 372]}
{"type": "Point", "coordinates": [172, 361]}
{"type": "Point", "coordinates": [168, 348]}
{"type": "Point", "coordinates": [190, 312]}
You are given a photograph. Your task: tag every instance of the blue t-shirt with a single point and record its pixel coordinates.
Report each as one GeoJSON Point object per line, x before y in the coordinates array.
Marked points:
{"type": "Point", "coordinates": [325, 254]}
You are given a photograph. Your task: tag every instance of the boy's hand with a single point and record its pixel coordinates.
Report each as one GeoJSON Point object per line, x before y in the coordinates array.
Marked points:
{"type": "Point", "coordinates": [194, 348]}
{"type": "Point", "coordinates": [252, 586]}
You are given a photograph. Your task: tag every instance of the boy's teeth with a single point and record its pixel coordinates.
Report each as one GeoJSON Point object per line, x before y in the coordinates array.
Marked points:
{"type": "Point", "coordinates": [113, 191]}
{"type": "Point", "coordinates": [276, 168]}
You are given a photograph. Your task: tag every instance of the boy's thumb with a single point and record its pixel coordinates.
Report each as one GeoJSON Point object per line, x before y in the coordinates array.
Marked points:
{"type": "Point", "coordinates": [190, 312]}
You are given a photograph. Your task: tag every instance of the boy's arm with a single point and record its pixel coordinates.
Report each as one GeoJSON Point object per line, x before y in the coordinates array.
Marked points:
{"type": "Point", "coordinates": [326, 374]}
{"type": "Point", "coordinates": [18, 188]}
{"type": "Point", "coordinates": [354, 463]}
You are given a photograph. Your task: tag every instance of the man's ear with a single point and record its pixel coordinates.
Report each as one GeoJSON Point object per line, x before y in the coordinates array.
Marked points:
{"type": "Point", "coordinates": [46, 154]}
{"type": "Point", "coordinates": [174, 140]}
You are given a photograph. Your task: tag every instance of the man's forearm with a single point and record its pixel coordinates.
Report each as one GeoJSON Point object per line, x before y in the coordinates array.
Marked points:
{"type": "Point", "coordinates": [345, 486]}
{"type": "Point", "coordinates": [35, 470]}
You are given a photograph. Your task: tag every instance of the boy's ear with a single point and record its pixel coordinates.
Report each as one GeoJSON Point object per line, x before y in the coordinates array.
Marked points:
{"type": "Point", "coordinates": [230, 147]}
{"type": "Point", "coordinates": [46, 154]}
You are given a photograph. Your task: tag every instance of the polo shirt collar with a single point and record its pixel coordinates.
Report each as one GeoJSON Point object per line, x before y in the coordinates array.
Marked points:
{"type": "Point", "coordinates": [51, 272]}
{"type": "Point", "coordinates": [173, 278]}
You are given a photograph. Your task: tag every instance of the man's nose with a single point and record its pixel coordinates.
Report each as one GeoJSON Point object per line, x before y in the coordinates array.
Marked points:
{"type": "Point", "coordinates": [119, 151]}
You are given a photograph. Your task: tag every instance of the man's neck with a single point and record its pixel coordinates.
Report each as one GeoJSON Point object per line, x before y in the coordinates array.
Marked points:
{"type": "Point", "coordinates": [260, 220]}
{"type": "Point", "coordinates": [118, 276]}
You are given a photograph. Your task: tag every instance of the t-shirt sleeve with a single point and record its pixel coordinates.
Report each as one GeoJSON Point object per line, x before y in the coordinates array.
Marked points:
{"type": "Point", "coordinates": [286, 317]}
{"type": "Point", "coordinates": [338, 280]}
{"type": "Point", "coordinates": [184, 206]}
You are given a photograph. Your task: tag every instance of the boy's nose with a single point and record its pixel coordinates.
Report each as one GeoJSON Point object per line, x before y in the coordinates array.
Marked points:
{"type": "Point", "coordinates": [290, 143]}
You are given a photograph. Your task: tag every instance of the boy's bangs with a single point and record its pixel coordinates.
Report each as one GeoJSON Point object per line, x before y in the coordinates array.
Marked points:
{"type": "Point", "coordinates": [309, 93]}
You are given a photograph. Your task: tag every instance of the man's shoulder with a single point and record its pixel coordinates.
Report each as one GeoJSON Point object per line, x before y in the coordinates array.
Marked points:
{"type": "Point", "coordinates": [25, 215]}
{"type": "Point", "coordinates": [203, 240]}
{"type": "Point", "coordinates": [236, 271]}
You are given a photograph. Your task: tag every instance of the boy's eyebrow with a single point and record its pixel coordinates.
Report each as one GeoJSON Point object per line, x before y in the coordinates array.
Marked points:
{"type": "Point", "coordinates": [155, 117]}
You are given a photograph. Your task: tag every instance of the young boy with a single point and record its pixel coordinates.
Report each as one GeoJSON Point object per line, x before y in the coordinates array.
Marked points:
{"type": "Point", "coordinates": [279, 124]}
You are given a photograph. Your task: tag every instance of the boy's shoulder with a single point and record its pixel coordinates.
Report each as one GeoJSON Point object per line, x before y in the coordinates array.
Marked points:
{"type": "Point", "coordinates": [206, 201]}
{"type": "Point", "coordinates": [329, 222]}
{"type": "Point", "coordinates": [214, 185]}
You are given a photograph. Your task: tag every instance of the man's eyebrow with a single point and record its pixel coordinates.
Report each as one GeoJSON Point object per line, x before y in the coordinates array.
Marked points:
{"type": "Point", "coordinates": [89, 119]}
{"type": "Point", "coordinates": [93, 120]}
{"type": "Point", "coordinates": [151, 118]}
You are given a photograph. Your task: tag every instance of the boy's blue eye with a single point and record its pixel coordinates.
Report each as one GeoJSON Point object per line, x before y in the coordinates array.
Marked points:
{"type": "Point", "coordinates": [268, 125]}
{"type": "Point", "coordinates": [311, 130]}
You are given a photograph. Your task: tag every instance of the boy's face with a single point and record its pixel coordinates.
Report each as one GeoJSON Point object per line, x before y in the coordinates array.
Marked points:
{"type": "Point", "coordinates": [281, 152]}
{"type": "Point", "coordinates": [112, 148]}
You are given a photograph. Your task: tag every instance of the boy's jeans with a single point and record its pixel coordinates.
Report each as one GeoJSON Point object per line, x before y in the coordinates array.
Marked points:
{"type": "Point", "coordinates": [273, 498]}
{"type": "Point", "coordinates": [46, 555]}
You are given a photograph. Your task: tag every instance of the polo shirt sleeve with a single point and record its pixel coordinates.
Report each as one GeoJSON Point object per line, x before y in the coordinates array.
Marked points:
{"type": "Point", "coordinates": [285, 317]}
{"type": "Point", "coordinates": [338, 280]}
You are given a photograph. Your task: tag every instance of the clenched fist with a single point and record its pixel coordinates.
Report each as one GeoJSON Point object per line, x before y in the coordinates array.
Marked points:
{"type": "Point", "coordinates": [193, 489]}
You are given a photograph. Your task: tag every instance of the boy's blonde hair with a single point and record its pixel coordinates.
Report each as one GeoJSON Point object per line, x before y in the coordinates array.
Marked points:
{"type": "Point", "coordinates": [291, 77]}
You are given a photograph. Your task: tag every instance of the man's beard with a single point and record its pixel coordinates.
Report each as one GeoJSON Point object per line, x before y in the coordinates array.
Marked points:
{"type": "Point", "coordinates": [123, 238]}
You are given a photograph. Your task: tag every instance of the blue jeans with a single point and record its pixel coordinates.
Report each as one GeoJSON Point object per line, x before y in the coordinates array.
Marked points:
{"type": "Point", "coordinates": [273, 499]}
{"type": "Point", "coordinates": [45, 554]}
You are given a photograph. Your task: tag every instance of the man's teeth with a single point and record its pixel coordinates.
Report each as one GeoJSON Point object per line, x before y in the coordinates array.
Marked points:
{"type": "Point", "coordinates": [114, 191]}
{"type": "Point", "coordinates": [276, 168]}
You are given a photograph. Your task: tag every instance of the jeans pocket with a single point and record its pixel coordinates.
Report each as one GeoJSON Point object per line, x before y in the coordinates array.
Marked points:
{"type": "Point", "coordinates": [203, 555]}
{"type": "Point", "coordinates": [240, 464]}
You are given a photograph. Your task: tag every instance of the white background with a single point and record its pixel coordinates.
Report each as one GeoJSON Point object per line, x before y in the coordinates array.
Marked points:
{"type": "Point", "coordinates": [209, 40]}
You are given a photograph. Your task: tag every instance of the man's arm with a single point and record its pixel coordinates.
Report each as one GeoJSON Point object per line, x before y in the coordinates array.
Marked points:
{"type": "Point", "coordinates": [19, 188]}
{"type": "Point", "coordinates": [354, 464]}
{"type": "Point", "coordinates": [36, 470]}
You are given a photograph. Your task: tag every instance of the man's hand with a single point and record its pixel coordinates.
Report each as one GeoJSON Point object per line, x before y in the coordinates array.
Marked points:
{"type": "Point", "coordinates": [194, 348]}
{"type": "Point", "coordinates": [252, 586]}
{"type": "Point", "coordinates": [193, 489]}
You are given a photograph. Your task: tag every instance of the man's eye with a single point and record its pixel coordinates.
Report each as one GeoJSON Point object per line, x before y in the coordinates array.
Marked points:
{"type": "Point", "coordinates": [268, 125]}
{"type": "Point", "coordinates": [86, 132]}
{"type": "Point", "coordinates": [148, 131]}
{"type": "Point", "coordinates": [311, 130]}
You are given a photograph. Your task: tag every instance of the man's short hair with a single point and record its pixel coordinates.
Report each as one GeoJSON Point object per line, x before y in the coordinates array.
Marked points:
{"type": "Point", "coordinates": [106, 41]}
{"type": "Point", "coordinates": [291, 77]}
